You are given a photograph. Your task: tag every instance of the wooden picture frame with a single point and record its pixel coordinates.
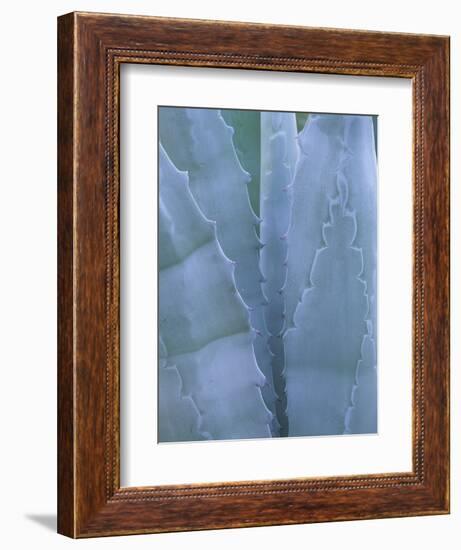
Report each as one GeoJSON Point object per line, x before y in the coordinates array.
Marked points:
{"type": "Point", "coordinates": [91, 49]}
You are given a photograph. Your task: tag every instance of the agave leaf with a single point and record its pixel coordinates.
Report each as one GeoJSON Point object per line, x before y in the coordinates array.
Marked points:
{"type": "Point", "coordinates": [328, 144]}
{"type": "Point", "coordinates": [279, 154]}
{"type": "Point", "coordinates": [224, 381]}
{"type": "Point", "coordinates": [360, 169]}
{"type": "Point", "coordinates": [361, 417]}
{"type": "Point", "coordinates": [322, 351]}
{"type": "Point", "coordinates": [178, 415]}
{"type": "Point", "coordinates": [203, 321]}
{"type": "Point", "coordinates": [179, 418]}
{"type": "Point", "coordinates": [247, 143]}
{"type": "Point", "coordinates": [200, 142]}
{"type": "Point", "coordinates": [264, 358]}
{"type": "Point", "coordinates": [320, 145]}
{"type": "Point", "coordinates": [337, 155]}
{"type": "Point", "coordinates": [247, 138]}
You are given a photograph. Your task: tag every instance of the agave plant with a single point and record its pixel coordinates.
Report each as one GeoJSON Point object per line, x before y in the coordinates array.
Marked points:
{"type": "Point", "coordinates": [267, 274]}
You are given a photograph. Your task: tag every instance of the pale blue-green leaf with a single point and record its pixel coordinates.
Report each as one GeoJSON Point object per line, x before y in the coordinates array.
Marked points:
{"type": "Point", "coordinates": [200, 283]}
{"type": "Point", "coordinates": [179, 418]}
{"type": "Point", "coordinates": [247, 138]}
{"type": "Point", "coordinates": [225, 383]}
{"type": "Point", "coordinates": [279, 154]}
{"type": "Point", "coordinates": [338, 155]}
{"type": "Point", "coordinates": [264, 358]}
{"type": "Point", "coordinates": [360, 170]}
{"type": "Point", "coordinates": [203, 321]}
{"type": "Point", "coordinates": [332, 144]}
{"type": "Point", "coordinates": [247, 143]}
{"type": "Point", "coordinates": [322, 351]}
{"type": "Point", "coordinates": [361, 417]}
{"type": "Point", "coordinates": [200, 142]}
{"type": "Point", "coordinates": [320, 145]}
{"type": "Point", "coordinates": [182, 226]}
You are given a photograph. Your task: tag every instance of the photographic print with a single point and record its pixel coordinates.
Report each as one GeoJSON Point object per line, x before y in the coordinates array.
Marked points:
{"type": "Point", "coordinates": [267, 274]}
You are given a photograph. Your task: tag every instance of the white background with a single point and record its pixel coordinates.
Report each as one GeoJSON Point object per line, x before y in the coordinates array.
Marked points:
{"type": "Point", "coordinates": [28, 273]}
{"type": "Point", "coordinates": [144, 87]}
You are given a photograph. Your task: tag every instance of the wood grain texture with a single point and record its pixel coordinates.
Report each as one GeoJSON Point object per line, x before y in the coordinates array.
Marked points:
{"type": "Point", "coordinates": [91, 49]}
{"type": "Point", "coordinates": [66, 471]}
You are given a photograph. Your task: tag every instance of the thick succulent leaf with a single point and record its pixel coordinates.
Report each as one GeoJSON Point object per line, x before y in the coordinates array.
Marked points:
{"type": "Point", "coordinates": [332, 144]}
{"type": "Point", "coordinates": [201, 282]}
{"type": "Point", "coordinates": [224, 381]}
{"type": "Point", "coordinates": [279, 154]}
{"type": "Point", "coordinates": [361, 417]}
{"type": "Point", "coordinates": [320, 145]}
{"type": "Point", "coordinates": [337, 155]}
{"type": "Point", "coordinates": [200, 142]}
{"type": "Point", "coordinates": [179, 418]}
{"type": "Point", "coordinates": [322, 351]}
{"type": "Point", "coordinates": [264, 358]}
{"type": "Point", "coordinates": [203, 321]}
{"type": "Point", "coordinates": [247, 138]}
{"type": "Point", "coordinates": [360, 169]}
{"type": "Point", "coordinates": [247, 143]}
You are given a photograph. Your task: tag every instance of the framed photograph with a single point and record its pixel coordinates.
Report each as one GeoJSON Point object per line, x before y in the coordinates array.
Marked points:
{"type": "Point", "coordinates": [253, 275]}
